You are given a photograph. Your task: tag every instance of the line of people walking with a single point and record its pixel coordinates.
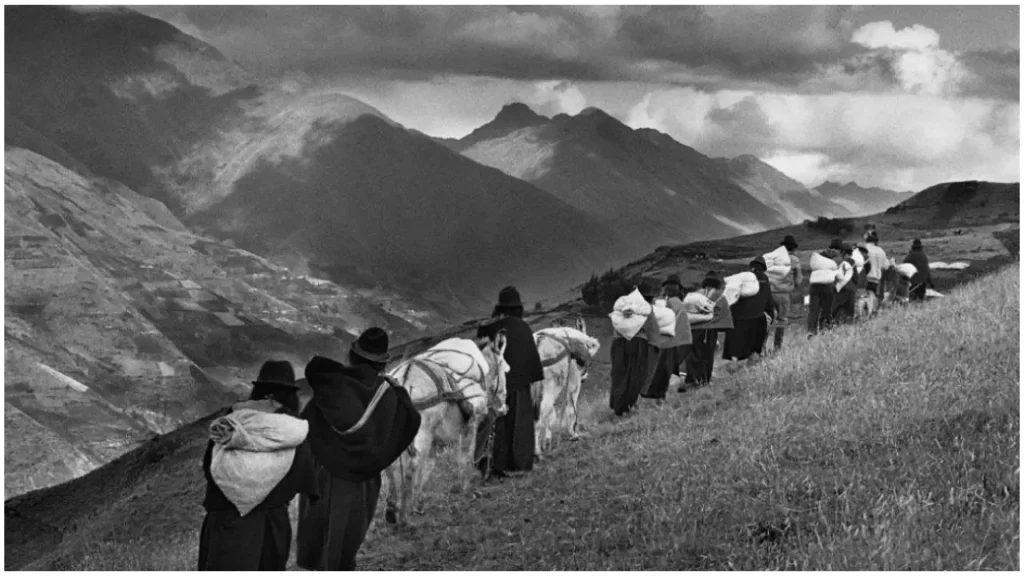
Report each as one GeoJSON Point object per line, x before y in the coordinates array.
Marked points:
{"type": "Point", "coordinates": [646, 365]}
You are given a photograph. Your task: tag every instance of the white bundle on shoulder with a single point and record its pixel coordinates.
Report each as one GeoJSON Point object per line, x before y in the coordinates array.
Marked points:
{"type": "Point", "coordinates": [698, 303]}
{"type": "Point", "coordinates": [252, 452]}
{"type": "Point", "coordinates": [629, 314]}
{"type": "Point", "coordinates": [666, 318]}
{"type": "Point", "coordinates": [907, 270]}
{"type": "Point", "coordinates": [823, 270]}
{"type": "Point", "coordinates": [746, 282]}
{"type": "Point", "coordinates": [777, 258]}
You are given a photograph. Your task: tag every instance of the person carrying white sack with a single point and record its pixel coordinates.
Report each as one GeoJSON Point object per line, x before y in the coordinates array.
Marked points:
{"type": "Point", "coordinates": [672, 350]}
{"type": "Point", "coordinates": [750, 317]}
{"type": "Point", "coordinates": [631, 353]}
{"type": "Point", "coordinates": [257, 461]}
{"type": "Point", "coordinates": [877, 260]}
{"type": "Point", "coordinates": [822, 291]}
{"type": "Point", "coordinates": [846, 286]}
{"type": "Point", "coordinates": [785, 280]}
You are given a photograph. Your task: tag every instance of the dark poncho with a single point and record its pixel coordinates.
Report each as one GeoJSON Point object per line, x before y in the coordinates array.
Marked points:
{"type": "Point", "coordinates": [520, 353]}
{"type": "Point", "coordinates": [341, 395]}
{"type": "Point", "coordinates": [920, 261]}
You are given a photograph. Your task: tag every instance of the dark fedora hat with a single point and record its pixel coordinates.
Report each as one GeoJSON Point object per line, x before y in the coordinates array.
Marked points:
{"type": "Point", "coordinates": [789, 242]}
{"type": "Point", "coordinates": [372, 345]}
{"type": "Point", "coordinates": [916, 243]}
{"type": "Point", "coordinates": [509, 298]}
{"type": "Point", "coordinates": [277, 373]}
{"type": "Point", "coordinates": [672, 279]}
{"type": "Point", "coordinates": [836, 244]}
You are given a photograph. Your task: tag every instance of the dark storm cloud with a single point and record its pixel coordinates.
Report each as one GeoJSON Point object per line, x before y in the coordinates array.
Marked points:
{"type": "Point", "coordinates": [709, 46]}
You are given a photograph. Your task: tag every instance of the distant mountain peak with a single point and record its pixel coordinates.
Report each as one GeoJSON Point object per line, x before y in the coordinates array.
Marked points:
{"type": "Point", "coordinates": [517, 114]}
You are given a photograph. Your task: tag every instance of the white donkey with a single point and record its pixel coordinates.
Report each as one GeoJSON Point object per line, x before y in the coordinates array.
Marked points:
{"type": "Point", "coordinates": [453, 384]}
{"type": "Point", "coordinates": [564, 353]}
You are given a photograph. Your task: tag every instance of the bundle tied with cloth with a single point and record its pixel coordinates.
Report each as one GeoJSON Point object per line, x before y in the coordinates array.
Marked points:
{"type": "Point", "coordinates": [779, 267]}
{"type": "Point", "coordinates": [253, 450]}
{"type": "Point", "coordinates": [823, 270]}
{"type": "Point", "coordinates": [630, 313]}
{"type": "Point", "coordinates": [741, 285]}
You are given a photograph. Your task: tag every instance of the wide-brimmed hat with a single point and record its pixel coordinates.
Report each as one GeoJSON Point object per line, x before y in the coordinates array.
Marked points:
{"type": "Point", "coordinates": [277, 373]}
{"type": "Point", "coordinates": [509, 298]}
{"type": "Point", "coordinates": [759, 260]}
{"type": "Point", "coordinates": [836, 244]}
{"type": "Point", "coordinates": [672, 279]}
{"type": "Point", "coordinates": [916, 243]}
{"type": "Point", "coordinates": [372, 345]}
{"type": "Point", "coordinates": [789, 242]}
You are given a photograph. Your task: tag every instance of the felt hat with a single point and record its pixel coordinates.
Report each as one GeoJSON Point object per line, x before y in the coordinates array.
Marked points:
{"type": "Point", "coordinates": [917, 244]}
{"type": "Point", "coordinates": [672, 279]}
{"type": "Point", "coordinates": [372, 345]}
{"type": "Point", "coordinates": [277, 373]}
{"type": "Point", "coordinates": [789, 242]}
{"type": "Point", "coordinates": [509, 298]}
{"type": "Point", "coordinates": [645, 290]}
{"type": "Point", "coordinates": [711, 280]}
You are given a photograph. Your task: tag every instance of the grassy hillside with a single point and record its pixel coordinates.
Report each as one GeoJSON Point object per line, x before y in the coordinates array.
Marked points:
{"type": "Point", "coordinates": [889, 445]}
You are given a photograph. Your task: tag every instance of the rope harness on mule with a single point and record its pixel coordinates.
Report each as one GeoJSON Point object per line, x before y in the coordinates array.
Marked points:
{"type": "Point", "coordinates": [567, 350]}
{"type": "Point", "coordinates": [444, 377]}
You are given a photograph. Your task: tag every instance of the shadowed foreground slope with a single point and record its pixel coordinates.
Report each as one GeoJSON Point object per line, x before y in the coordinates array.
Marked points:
{"type": "Point", "coordinates": [889, 445]}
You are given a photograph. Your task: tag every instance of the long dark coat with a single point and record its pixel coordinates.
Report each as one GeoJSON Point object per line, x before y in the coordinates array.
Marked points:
{"type": "Point", "coordinates": [514, 432]}
{"type": "Point", "coordinates": [630, 371]}
{"type": "Point", "coordinates": [261, 540]}
{"type": "Point", "coordinates": [332, 528]}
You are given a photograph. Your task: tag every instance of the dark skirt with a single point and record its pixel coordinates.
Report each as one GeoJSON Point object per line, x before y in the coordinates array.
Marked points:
{"type": "Point", "coordinates": [259, 541]}
{"type": "Point", "coordinates": [513, 436]}
{"type": "Point", "coordinates": [701, 360]}
{"type": "Point", "coordinates": [629, 372]}
{"type": "Point", "coordinates": [741, 340]}
{"type": "Point", "coordinates": [667, 364]}
{"type": "Point", "coordinates": [331, 531]}
{"type": "Point", "coordinates": [760, 336]}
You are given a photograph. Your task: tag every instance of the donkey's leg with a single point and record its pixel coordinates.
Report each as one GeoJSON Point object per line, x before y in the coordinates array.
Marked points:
{"type": "Point", "coordinates": [394, 489]}
{"type": "Point", "coordinates": [419, 467]}
{"type": "Point", "coordinates": [574, 385]}
{"type": "Point", "coordinates": [548, 416]}
{"type": "Point", "coordinates": [467, 450]}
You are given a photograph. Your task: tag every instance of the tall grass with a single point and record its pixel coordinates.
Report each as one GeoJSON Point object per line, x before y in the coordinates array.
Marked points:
{"type": "Point", "coordinates": [889, 445]}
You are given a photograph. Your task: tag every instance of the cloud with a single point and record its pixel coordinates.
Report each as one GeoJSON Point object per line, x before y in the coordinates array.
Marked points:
{"type": "Point", "coordinates": [554, 97]}
{"type": "Point", "coordinates": [893, 140]}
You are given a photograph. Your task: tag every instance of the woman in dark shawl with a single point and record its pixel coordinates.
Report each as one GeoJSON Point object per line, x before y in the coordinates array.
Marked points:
{"type": "Point", "coordinates": [359, 423]}
{"type": "Point", "coordinates": [701, 361]}
{"type": "Point", "coordinates": [514, 432]}
{"type": "Point", "coordinates": [750, 327]}
{"type": "Point", "coordinates": [630, 364]}
{"type": "Point", "coordinates": [262, 539]}
{"type": "Point", "coordinates": [672, 351]}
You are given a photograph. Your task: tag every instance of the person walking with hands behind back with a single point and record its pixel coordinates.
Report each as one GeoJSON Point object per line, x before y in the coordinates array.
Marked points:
{"type": "Point", "coordinates": [256, 461]}
{"type": "Point", "coordinates": [360, 422]}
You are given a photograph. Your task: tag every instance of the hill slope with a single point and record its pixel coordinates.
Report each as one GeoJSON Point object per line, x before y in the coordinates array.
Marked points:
{"type": "Point", "coordinates": [855, 451]}
{"type": "Point", "coordinates": [120, 323]}
{"type": "Point", "coordinates": [643, 184]}
{"type": "Point", "coordinates": [970, 203]}
{"type": "Point", "coordinates": [860, 201]}
{"type": "Point", "coordinates": [326, 181]}
{"type": "Point", "coordinates": [780, 192]}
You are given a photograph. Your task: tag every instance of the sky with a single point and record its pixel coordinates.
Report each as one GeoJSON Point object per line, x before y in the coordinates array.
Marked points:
{"type": "Point", "coordinates": [902, 97]}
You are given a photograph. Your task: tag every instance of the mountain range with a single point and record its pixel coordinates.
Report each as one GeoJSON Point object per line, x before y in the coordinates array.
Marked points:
{"type": "Point", "coordinates": [173, 220]}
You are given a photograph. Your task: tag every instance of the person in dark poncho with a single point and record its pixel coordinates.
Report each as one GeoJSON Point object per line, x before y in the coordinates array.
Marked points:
{"type": "Point", "coordinates": [631, 365]}
{"type": "Point", "coordinates": [922, 279]}
{"type": "Point", "coordinates": [359, 423]}
{"type": "Point", "coordinates": [514, 441]}
{"type": "Point", "coordinates": [700, 363]}
{"type": "Point", "coordinates": [750, 327]}
{"type": "Point", "coordinates": [672, 351]}
{"type": "Point", "coordinates": [261, 539]}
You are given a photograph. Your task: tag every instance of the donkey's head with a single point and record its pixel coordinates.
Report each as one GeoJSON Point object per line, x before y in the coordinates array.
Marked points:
{"type": "Point", "coordinates": [494, 382]}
